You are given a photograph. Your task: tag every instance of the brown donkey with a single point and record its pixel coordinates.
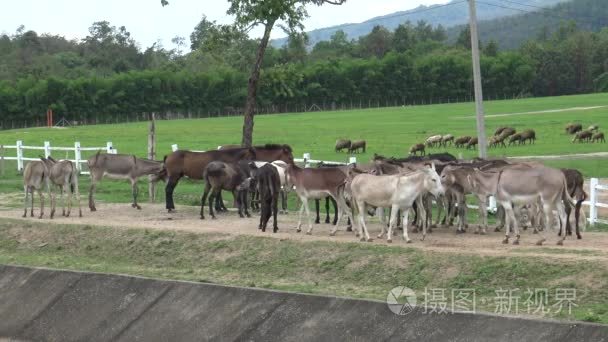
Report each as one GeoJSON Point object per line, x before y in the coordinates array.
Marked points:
{"type": "Point", "coordinates": [317, 184]}
{"type": "Point", "coordinates": [192, 164]}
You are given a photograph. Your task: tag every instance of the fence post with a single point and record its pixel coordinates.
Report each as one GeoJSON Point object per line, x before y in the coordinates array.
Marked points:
{"type": "Point", "coordinates": [47, 149]}
{"type": "Point", "coordinates": [593, 200]}
{"type": "Point", "coordinates": [492, 204]}
{"type": "Point", "coordinates": [19, 155]}
{"type": "Point", "coordinates": [1, 160]}
{"type": "Point", "coordinates": [109, 147]}
{"type": "Point", "coordinates": [77, 155]}
{"type": "Point", "coordinates": [352, 160]}
{"type": "Point", "coordinates": [306, 159]}
{"type": "Point", "coordinates": [174, 147]}
{"type": "Point", "coordinates": [152, 156]}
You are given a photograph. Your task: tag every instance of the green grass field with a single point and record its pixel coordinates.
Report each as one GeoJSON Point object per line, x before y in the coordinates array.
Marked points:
{"type": "Point", "coordinates": [388, 131]}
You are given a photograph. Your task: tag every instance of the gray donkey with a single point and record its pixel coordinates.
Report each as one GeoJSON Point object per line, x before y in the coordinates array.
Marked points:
{"type": "Point", "coordinates": [63, 174]}
{"type": "Point", "coordinates": [122, 166]}
{"type": "Point", "coordinates": [35, 177]}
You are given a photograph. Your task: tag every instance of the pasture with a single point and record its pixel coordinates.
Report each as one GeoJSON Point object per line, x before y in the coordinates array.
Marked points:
{"type": "Point", "coordinates": [388, 131]}
{"type": "Point", "coordinates": [123, 240]}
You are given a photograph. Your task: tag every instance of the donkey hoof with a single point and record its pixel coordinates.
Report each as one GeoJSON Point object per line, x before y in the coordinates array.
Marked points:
{"type": "Point", "coordinates": [516, 242]}
{"type": "Point", "coordinates": [308, 233]}
{"type": "Point", "coordinates": [483, 232]}
{"type": "Point", "coordinates": [213, 218]}
{"type": "Point", "coordinates": [536, 232]}
{"type": "Point", "coordinates": [560, 242]}
{"type": "Point", "coordinates": [408, 241]}
{"type": "Point", "coordinates": [95, 209]}
{"type": "Point", "coordinates": [332, 234]}
{"type": "Point", "coordinates": [505, 241]}
{"type": "Point", "coordinates": [138, 207]}
{"type": "Point", "coordinates": [349, 229]}
{"type": "Point", "coordinates": [362, 239]}
{"type": "Point", "coordinates": [540, 242]}
{"type": "Point", "coordinates": [298, 230]}
{"type": "Point", "coordinates": [476, 232]}
{"type": "Point", "coordinates": [248, 215]}
{"type": "Point", "coordinates": [389, 240]}
{"type": "Point", "coordinates": [202, 217]}
{"type": "Point", "coordinates": [24, 215]}
{"type": "Point", "coordinates": [579, 237]}
{"type": "Point", "coordinates": [496, 229]}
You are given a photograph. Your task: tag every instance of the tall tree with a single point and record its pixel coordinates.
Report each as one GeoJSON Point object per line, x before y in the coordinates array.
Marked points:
{"type": "Point", "coordinates": [250, 13]}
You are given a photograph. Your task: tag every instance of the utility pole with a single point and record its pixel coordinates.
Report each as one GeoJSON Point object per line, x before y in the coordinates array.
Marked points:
{"type": "Point", "coordinates": [481, 127]}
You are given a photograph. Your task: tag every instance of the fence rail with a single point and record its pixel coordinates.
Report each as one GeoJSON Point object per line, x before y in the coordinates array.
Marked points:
{"type": "Point", "coordinates": [594, 188]}
{"type": "Point", "coordinates": [47, 148]}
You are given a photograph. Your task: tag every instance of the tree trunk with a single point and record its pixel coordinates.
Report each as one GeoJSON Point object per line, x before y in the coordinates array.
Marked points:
{"type": "Point", "coordinates": [252, 88]}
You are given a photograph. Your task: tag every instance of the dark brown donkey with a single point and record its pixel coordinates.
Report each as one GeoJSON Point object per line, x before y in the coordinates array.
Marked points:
{"type": "Point", "coordinates": [192, 164]}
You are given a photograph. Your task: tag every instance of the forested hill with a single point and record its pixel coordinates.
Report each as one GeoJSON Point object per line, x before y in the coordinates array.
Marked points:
{"type": "Point", "coordinates": [510, 32]}
{"type": "Point", "coordinates": [446, 16]}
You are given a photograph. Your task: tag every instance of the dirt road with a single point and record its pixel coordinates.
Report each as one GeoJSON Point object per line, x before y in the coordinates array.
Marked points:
{"type": "Point", "coordinates": [593, 246]}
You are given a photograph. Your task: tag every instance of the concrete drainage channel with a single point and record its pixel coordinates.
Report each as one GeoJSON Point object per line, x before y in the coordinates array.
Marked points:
{"type": "Point", "coordinates": [43, 304]}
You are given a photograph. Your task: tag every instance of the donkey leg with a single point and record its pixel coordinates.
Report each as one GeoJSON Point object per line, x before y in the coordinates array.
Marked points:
{"type": "Point", "coordinates": [562, 217]}
{"type": "Point", "coordinates": [32, 206]}
{"type": "Point", "coordinates": [577, 216]}
{"type": "Point", "coordinates": [27, 192]}
{"type": "Point", "coordinates": [204, 198]}
{"type": "Point", "coordinates": [54, 203]}
{"type": "Point", "coordinates": [275, 209]}
{"type": "Point", "coordinates": [95, 178]}
{"type": "Point", "coordinates": [406, 213]}
{"type": "Point", "coordinates": [305, 203]}
{"type": "Point", "coordinates": [335, 205]}
{"type": "Point", "coordinates": [169, 188]}
{"type": "Point", "coordinates": [318, 219]}
{"type": "Point", "coordinates": [299, 228]}
{"type": "Point", "coordinates": [41, 195]}
{"type": "Point", "coordinates": [363, 227]}
{"type": "Point", "coordinates": [135, 192]}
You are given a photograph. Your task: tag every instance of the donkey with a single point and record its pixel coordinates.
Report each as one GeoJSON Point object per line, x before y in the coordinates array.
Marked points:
{"type": "Point", "coordinates": [573, 128]}
{"type": "Point", "coordinates": [121, 166]}
{"type": "Point", "coordinates": [529, 135]}
{"type": "Point", "coordinates": [224, 176]}
{"type": "Point", "coordinates": [284, 185]}
{"type": "Point", "coordinates": [523, 185]}
{"type": "Point", "coordinates": [395, 191]}
{"type": "Point", "coordinates": [575, 184]}
{"type": "Point", "coordinates": [35, 177]}
{"type": "Point", "coordinates": [64, 175]}
{"type": "Point", "coordinates": [269, 184]}
{"type": "Point", "coordinates": [433, 141]}
{"type": "Point", "coordinates": [472, 143]}
{"type": "Point", "coordinates": [191, 164]}
{"type": "Point", "coordinates": [318, 183]}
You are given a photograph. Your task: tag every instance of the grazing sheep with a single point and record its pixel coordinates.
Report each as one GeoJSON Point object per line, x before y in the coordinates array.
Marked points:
{"type": "Point", "coordinates": [433, 141]}
{"type": "Point", "coordinates": [462, 141]}
{"type": "Point", "coordinates": [529, 135]}
{"type": "Point", "coordinates": [599, 137]}
{"type": "Point", "coordinates": [572, 128]}
{"type": "Point", "coordinates": [472, 143]}
{"type": "Point", "coordinates": [417, 148]}
{"type": "Point", "coordinates": [515, 138]}
{"type": "Point", "coordinates": [356, 145]}
{"type": "Point", "coordinates": [507, 132]}
{"type": "Point", "coordinates": [342, 144]}
{"type": "Point", "coordinates": [593, 128]}
{"type": "Point", "coordinates": [499, 130]}
{"type": "Point", "coordinates": [583, 136]}
{"type": "Point", "coordinates": [448, 138]}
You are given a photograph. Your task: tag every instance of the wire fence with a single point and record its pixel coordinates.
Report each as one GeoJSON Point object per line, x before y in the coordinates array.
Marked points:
{"type": "Point", "coordinates": [76, 119]}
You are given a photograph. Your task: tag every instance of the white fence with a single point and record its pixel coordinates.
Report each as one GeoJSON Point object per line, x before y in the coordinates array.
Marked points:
{"type": "Point", "coordinates": [594, 188]}
{"type": "Point", "coordinates": [47, 148]}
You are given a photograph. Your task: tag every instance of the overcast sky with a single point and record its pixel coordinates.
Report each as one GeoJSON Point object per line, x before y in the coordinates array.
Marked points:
{"type": "Point", "coordinates": [148, 21]}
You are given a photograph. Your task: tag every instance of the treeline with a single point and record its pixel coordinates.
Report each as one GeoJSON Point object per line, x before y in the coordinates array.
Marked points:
{"type": "Point", "coordinates": [110, 80]}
